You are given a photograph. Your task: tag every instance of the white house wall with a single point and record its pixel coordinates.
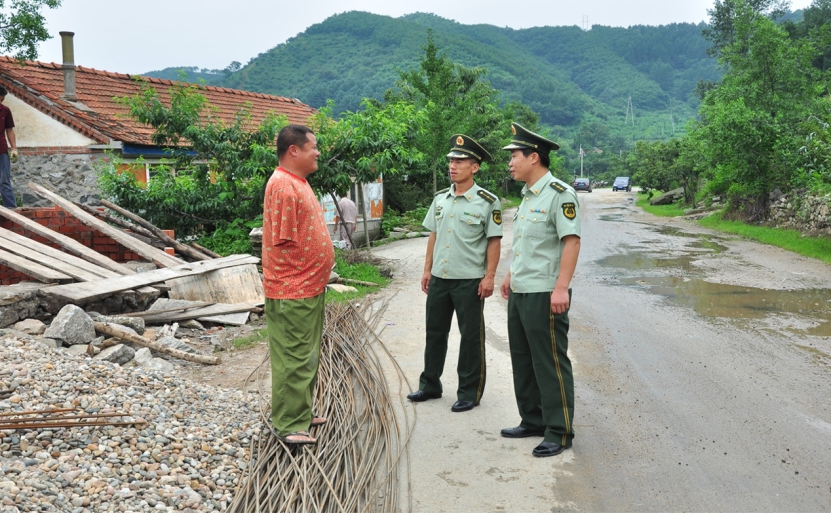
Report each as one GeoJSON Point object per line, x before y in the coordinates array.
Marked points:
{"type": "Point", "coordinates": [34, 129]}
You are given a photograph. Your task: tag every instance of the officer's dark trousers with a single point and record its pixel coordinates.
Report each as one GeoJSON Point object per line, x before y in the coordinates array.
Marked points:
{"type": "Point", "coordinates": [543, 382]}
{"type": "Point", "coordinates": [443, 298]}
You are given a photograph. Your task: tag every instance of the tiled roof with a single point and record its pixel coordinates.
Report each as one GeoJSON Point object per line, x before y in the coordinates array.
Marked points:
{"type": "Point", "coordinates": [40, 85]}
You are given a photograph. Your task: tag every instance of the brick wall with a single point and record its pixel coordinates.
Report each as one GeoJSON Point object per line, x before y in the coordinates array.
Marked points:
{"type": "Point", "coordinates": [62, 222]}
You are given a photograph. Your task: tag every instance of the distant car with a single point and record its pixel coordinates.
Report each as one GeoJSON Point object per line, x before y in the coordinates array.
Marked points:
{"type": "Point", "coordinates": [582, 184]}
{"type": "Point", "coordinates": [622, 184]}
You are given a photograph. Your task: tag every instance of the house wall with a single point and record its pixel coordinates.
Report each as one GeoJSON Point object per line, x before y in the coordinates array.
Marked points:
{"type": "Point", "coordinates": [62, 222]}
{"type": "Point", "coordinates": [34, 129]}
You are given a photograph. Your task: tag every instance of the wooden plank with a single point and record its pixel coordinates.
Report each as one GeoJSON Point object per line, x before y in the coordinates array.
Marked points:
{"type": "Point", "coordinates": [80, 293]}
{"type": "Point", "coordinates": [159, 234]}
{"type": "Point", "coordinates": [49, 262]}
{"type": "Point", "coordinates": [76, 267]}
{"type": "Point", "coordinates": [232, 319]}
{"type": "Point", "coordinates": [155, 255]}
{"type": "Point", "coordinates": [196, 313]}
{"type": "Point", "coordinates": [65, 242]}
{"type": "Point", "coordinates": [35, 270]}
{"type": "Point", "coordinates": [153, 310]}
{"type": "Point", "coordinates": [231, 285]}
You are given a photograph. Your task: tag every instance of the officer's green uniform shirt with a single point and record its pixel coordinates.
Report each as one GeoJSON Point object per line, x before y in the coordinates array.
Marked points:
{"type": "Point", "coordinates": [462, 225]}
{"type": "Point", "coordinates": [548, 212]}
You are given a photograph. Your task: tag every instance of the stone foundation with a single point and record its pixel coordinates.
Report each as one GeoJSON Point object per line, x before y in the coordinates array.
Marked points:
{"type": "Point", "coordinates": [71, 176]}
{"type": "Point", "coordinates": [798, 211]}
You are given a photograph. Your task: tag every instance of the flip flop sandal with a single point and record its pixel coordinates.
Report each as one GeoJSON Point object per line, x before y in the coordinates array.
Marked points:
{"type": "Point", "coordinates": [318, 421]}
{"type": "Point", "coordinates": [300, 438]}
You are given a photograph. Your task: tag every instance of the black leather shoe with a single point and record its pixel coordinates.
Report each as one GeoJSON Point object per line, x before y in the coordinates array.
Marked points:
{"type": "Point", "coordinates": [420, 395]}
{"type": "Point", "coordinates": [462, 406]}
{"type": "Point", "coordinates": [547, 449]}
{"type": "Point", "coordinates": [520, 432]}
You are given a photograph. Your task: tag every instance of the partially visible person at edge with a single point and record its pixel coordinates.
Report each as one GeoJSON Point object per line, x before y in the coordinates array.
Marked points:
{"type": "Point", "coordinates": [8, 153]}
{"type": "Point", "coordinates": [350, 220]}
{"type": "Point", "coordinates": [465, 223]}
{"type": "Point", "coordinates": [545, 247]}
{"type": "Point", "coordinates": [297, 258]}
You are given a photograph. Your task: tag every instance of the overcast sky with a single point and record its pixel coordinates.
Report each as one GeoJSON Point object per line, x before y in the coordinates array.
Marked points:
{"type": "Point", "coordinates": [131, 36]}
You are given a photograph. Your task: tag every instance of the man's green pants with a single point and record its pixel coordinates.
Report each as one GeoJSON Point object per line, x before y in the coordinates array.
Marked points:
{"type": "Point", "coordinates": [294, 330]}
{"type": "Point", "coordinates": [543, 382]}
{"type": "Point", "coordinates": [443, 298]}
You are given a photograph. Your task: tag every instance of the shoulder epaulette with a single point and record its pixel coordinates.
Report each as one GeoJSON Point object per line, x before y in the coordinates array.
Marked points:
{"type": "Point", "coordinates": [485, 195]}
{"type": "Point", "coordinates": [442, 191]}
{"type": "Point", "coordinates": [557, 187]}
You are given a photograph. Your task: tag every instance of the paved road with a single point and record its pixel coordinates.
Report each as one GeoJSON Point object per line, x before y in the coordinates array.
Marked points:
{"type": "Point", "coordinates": [702, 374]}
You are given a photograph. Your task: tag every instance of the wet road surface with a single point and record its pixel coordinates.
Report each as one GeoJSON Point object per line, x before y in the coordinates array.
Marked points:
{"type": "Point", "coordinates": [701, 384]}
{"type": "Point", "coordinates": [702, 368]}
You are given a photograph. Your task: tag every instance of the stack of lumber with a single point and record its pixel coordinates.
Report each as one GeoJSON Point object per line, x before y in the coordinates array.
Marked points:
{"type": "Point", "coordinates": [80, 275]}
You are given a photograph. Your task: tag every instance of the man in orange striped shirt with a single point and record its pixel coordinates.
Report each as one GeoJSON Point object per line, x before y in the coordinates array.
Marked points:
{"type": "Point", "coordinates": [297, 259]}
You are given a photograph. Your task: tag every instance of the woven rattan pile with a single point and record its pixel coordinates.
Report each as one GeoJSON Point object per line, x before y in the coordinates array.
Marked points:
{"type": "Point", "coordinates": [356, 464]}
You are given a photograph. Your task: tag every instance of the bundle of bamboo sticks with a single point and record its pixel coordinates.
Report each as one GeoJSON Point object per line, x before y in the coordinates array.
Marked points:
{"type": "Point", "coordinates": [357, 461]}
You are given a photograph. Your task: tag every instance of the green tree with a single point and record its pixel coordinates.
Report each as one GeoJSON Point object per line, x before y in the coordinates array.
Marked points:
{"type": "Point", "coordinates": [22, 26]}
{"type": "Point", "coordinates": [454, 99]}
{"type": "Point", "coordinates": [364, 145]}
{"type": "Point", "coordinates": [216, 171]}
{"type": "Point", "coordinates": [721, 30]}
{"type": "Point", "coordinates": [750, 122]}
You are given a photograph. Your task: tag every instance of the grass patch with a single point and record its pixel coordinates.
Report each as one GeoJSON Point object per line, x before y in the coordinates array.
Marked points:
{"type": "Point", "coordinates": [250, 340]}
{"type": "Point", "coordinates": [362, 266]}
{"type": "Point", "coordinates": [673, 210]}
{"type": "Point", "coordinates": [511, 202]}
{"type": "Point", "coordinates": [791, 240]}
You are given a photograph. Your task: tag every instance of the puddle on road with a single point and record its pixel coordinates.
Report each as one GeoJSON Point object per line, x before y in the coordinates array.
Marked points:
{"type": "Point", "coordinates": [731, 301]}
{"type": "Point", "coordinates": [807, 312]}
{"type": "Point", "coordinates": [642, 261]}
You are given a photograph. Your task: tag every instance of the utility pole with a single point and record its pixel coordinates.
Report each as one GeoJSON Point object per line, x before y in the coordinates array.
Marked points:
{"type": "Point", "coordinates": [581, 160]}
{"type": "Point", "coordinates": [629, 110]}
{"type": "Point", "coordinates": [671, 118]}
{"type": "Point", "coordinates": [585, 23]}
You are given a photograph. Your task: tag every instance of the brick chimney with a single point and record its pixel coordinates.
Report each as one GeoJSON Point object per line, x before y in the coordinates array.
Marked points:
{"type": "Point", "coordinates": [68, 66]}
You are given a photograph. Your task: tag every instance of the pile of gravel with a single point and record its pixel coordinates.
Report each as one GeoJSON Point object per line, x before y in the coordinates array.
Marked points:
{"type": "Point", "coordinates": [190, 456]}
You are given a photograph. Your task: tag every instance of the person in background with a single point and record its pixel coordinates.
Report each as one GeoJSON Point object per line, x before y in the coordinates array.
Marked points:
{"type": "Point", "coordinates": [297, 258]}
{"type": "Point", "coordinates": [545, 247]}
{"type": "Point", "coordinates": [465, 223]}
{"type": "Point", "coordinates": [350, 220]}
{"type": "Point", "coordinates": [8, 152]}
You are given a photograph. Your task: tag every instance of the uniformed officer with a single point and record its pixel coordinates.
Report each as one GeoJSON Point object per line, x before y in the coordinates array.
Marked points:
{"type": "Point", "coordinates": [465, 223]}
{"type": "Point", "coordinates": [545, 248]}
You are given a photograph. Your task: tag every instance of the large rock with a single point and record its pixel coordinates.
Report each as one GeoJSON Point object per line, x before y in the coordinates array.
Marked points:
{"type": "Point", "coordinates": [119, 354]}
{"type": "Point", "coordinates": [31, 326]}
{"type": "Point", "coordinates": [668, 198]}
{"type": "Point", "coordinates": [175, 343]}
{"type": "Point", "coordinates": [145, 360]}
{"type": "Point", "coordinates": [72, 326]}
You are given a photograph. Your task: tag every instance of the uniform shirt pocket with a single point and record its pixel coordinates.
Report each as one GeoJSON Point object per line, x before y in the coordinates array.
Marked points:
{"type": "Point", "coordinates": [537, 228]}
{"type": "Point", "coordinates": [471, 227]}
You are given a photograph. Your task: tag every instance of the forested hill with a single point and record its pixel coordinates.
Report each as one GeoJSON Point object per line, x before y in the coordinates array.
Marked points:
{"type": "Point", "coordinates": [565, 74]}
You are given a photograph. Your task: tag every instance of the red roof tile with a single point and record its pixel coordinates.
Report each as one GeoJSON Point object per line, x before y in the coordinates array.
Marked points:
{"type": "Point", "coordinates": [40, 85]}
